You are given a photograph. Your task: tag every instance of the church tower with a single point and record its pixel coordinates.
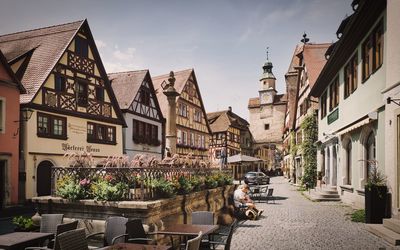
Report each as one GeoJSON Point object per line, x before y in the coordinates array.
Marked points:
{"type": "Point", "coordinates": [267, 84]}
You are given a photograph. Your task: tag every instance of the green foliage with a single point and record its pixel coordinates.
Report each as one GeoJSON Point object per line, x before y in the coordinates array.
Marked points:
{"type": "Point", "coordinates": [185, 185]}
{"type": "Point", "coordinates": [293, 146]}
{"type": "Point", "coordinates": [358, 216]}
{"type": "Point", "coordinates": [197, 183]}
{"type": "Point", "coordinates": [309, 150]}
{"type": "Point", "coordinates": [376, 177]}
{"type": "Point", "coordinates": [23, 223]}
{"type": "Point", "coordinates": [103, 190]}
{"type": "Point", "coordinates": [165, 188]}
{"type": "Point", "coordinates": [69, 188]}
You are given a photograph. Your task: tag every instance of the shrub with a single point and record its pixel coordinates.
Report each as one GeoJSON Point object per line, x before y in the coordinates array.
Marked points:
{"type": "Point", "coordinates": [23, 223]}
{"type": "Point", "coordinates": [103, 190]}
{"type": "Point", "coordinates": [71, 189]}
{"type": "Point", "coordinates": [358, 216]}
{"type": "Point", "coordinates": [185, 186]}
{"type": "Point", "coordinates": [210, 182]}
{"type": "Point", "coordinates": [197, 183]}
{"type": "Point", "coordinates": [164, 188]}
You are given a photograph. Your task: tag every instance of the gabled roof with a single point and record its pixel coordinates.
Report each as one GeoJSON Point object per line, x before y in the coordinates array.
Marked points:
{"type": "Point", "coordinates": [295, 59]}
{"type": "Point", "coordinates": [14, 80]}
{"type": "Point", "coordinates": [278, 99]}
{"type": "Point", "coordinates": [48, 45]}
{"type": "Point", "coordinates": [126, 85]}
{"type": "Point", "coordinates": [221, 121]}
{"type": "Point", "coordinates": [314, 60]}
{"type": "Point", "coordinates": [181, 78]}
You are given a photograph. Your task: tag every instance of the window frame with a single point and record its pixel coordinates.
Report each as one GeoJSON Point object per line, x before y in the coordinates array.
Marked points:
{"type": "Point", "coordinates": [63, 83]}
{"type": "Point", "coordinates": [50, 126]}
{"type": "Point", "coordinates": [373, 49]}
{"type": "Point", "coordinates": [94, 138]}
{"type": "Point", "coordinates": [81, 46]}
{"type": "Point", "coordinates": [350, 76]}
{"type": "Point", "coordinates": [100, 93]}
{"type": "Point", "coordinates": [82, 101]}
{"type": "Point", "coordinates": [324, 105]}
{"type": "Point", "coordinates": [3, 114]}
{"type": "Point", "coordinates": [334, 97]}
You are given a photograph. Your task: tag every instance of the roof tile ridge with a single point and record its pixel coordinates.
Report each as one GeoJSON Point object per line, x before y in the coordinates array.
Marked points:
{"type": "Point", "coordinates": [128, 71]}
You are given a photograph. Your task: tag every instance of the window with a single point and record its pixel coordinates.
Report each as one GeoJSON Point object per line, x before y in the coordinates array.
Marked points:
{"type": "Point", "coordinates": [350, 76]}
{"type": "Point", "coordinates": [323, 105]}
{"type": "Point", "coordinates": [184, 138]}
{"type": "Point", "coordinates": [183, 110]}
{"type": "Point", "coordinates": [51, 126]}
{"type": "Point", "coordinates": [299, 137]}
{"type": "Point", "coordinates": [81, 46]}
{"type": "Point", "coordinates": [191, 139]}
{"type": "Point", "coordinates": [197, 115]}
{"type": "Point", "coordinates": [372, 51]}
{"type": "Point", "coordinates": [266, 126]}
{"type": "Point", "coordinates": [100, 94]}
{"type": "Point", "coordinates": [60, 82]}
{"type": "Point", "coordinates": [99, 133]}
{"type": "Point", "coordinates": [82, 93]}
{"type": "Point", "coordinates": [145, 96]}
{"type": "Point", "coordinates": [334, 94]}
{"type": "Point", "coordinates": [203, 142]}
{"type": "Point", "coordinates": [146, 133]}
{"type": "Point", "coordinates": [179, 136]}
{"type": "Point", "coordinates": [2, 115]}
{"type": "Point", "coordinates": [348, 162]}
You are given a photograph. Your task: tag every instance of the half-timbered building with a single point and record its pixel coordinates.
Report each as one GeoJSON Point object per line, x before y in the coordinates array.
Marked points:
{"type": "Point", "coordinates": [67, 87]}
{"type": "Point", "coordinates": [138, 101]}
{"type": "Point", "coordinates": [193, 131]}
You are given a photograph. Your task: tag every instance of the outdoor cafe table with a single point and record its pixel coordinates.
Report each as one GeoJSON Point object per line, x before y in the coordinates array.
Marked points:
{"type": "Point", "coordinates": [187, 230]}
{"type": "Point", "coordinates": [134, 246]}
{"type": "Point", "coordinates": [20, 240]}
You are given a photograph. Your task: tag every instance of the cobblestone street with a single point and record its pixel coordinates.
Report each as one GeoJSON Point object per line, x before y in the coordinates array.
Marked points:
{"type": "Point", "coordinates": [295, 222]}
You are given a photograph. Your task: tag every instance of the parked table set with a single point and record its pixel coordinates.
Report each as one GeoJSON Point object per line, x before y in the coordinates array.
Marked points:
{"type": "Point", "coordinates": [20, 240]}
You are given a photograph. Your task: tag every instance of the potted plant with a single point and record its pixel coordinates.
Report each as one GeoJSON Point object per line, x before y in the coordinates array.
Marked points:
{"type": "Point", "coordinates": [376, 195]}
{"type": "Point", "coordinates": [23, 224]}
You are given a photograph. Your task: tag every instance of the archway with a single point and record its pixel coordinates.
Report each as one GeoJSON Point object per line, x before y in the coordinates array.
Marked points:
{"type": "Point", "coordinates": [43, 180]}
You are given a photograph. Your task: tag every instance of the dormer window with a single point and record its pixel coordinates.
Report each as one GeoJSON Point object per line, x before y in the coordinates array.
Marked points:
{"type": "Point", "coordinates": [81, 46]}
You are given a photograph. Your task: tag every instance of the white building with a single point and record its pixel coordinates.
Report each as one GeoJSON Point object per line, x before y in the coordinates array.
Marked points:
{"type": "Point", "coordinates": [137, 99]}
{"type": "Point", "coordinates": [351, 105]}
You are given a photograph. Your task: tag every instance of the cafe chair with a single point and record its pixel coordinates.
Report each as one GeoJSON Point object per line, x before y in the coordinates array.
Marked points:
{"type": "Point", "coordinates": [73, 240]}
{"type": "Point", "coordinates": [226, 243]}
{"type": "Point", "coordinates": [114, 227]}
{"type": "Point", "coordinates": [54, 244]}
{"type": "Point", "coordinates": [203, 218]}
{"type": "Point", "coordinates": [135, 233]}
{"type": "Point", "coordinates": [194, 244]}
{"type": "Point", "coordinates": [270, 195]}
{"type": "Point", "coordinates": [49, 222]}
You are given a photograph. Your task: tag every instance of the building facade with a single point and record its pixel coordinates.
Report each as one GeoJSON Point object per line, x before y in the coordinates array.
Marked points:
{"type": "Point", "coordinates": [137, 99]}
{"type": "Point", "coordinates": [74, 106]}
{"type": "Point", "coordinates": [230, 136]}
{"type": "Point", "coordinates": [10, 90]}
{"type": "Point", "coordinates": [351, 105]}
{"type": "Point", "coordinates": [266, 118]}
{"type": "Point", "coordinates": [192, 128]}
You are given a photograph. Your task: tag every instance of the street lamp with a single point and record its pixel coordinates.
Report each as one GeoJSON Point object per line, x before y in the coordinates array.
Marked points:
{"type": "Point", "coordinates": [25, 115]}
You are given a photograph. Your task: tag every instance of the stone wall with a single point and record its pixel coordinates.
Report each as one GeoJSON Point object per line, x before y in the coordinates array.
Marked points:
{"type": "Point", "coordinates": [156, 214]}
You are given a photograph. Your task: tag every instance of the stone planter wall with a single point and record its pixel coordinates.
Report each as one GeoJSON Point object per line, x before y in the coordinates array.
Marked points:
{"type": "Point", "coordinates": [153, 213]}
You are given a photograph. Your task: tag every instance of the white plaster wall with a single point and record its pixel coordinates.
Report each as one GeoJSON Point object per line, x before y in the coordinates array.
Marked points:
{"type": "Point", "coordinates": [131, 148]}
{"type": "Point", "coordinates": [268, 114]}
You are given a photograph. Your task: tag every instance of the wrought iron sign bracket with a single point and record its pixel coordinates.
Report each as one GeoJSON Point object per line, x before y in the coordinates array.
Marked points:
{"type": "Point", "coordinates": [395, 101]}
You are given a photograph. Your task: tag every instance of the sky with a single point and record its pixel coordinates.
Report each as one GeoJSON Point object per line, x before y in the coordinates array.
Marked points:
{"type": "Point", "coordinates": [224, 41]}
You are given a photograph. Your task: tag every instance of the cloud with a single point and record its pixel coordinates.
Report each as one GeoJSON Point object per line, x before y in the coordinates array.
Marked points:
{"type": "Point", "coordinates": [124, 55]}
{"type": "Point", "coordinates": [100, 44]}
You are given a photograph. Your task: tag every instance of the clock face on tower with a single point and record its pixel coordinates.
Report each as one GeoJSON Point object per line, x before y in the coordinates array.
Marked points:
{"type": "Point", "coordinates": [267, 97]}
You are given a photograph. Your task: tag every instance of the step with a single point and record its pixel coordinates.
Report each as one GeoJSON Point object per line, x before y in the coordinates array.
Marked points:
{"type": "Point", "coordinates": [392, 224]}
{"type": "Point", "coordinates": [327, 195]}
{"type": "Point", "coordinates": [328, 191]}
{"type": "Point", "coordinates": [386, 234]}
{"type": "Point", "coordinates": [316, 198]}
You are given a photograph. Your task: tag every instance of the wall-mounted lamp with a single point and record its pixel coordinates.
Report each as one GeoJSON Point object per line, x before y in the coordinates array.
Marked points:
{"type": "Point", "coordinates": [327, 135]}
{"type": "Point", "coordinates": [25, 115]}
{"type": "Point", "coordinates": [395, 101]}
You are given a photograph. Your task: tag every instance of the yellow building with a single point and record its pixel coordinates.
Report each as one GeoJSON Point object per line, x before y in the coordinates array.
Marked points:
{"type": "Point", "coordinates": [74, 107]}
{"type": "Point", "coordinates": [193, 131]}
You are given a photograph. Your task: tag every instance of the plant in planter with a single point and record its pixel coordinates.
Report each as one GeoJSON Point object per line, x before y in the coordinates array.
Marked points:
{"type": "Point", "coordinates": [23, 224]}
{"type": "Point", "coordinates": [71, 189]}
{"type": "Point", "coordinates": [106, 190]}
{"type": "Point", "coordinates": [376, 195]}
{"type": "Point", "coordinates": [185, 186]}
{"type": "Point", "coordinates": [197, 183]}
{"type": "Point", "coordinates": [210, 182]}
{"type": "Point", "coordinates": [164, 188]}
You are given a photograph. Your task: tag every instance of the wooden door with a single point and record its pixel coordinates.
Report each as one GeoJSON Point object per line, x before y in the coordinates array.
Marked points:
{"type": "Point", "coordinates": [43, 183]}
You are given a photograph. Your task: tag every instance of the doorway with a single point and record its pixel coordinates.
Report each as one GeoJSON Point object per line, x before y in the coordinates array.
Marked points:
{"type": "Point", "coordinates": [3, 164]}
{"type": "Point", "coordinates": [43, 182]}
{"type": "Point", "coordinates": [334, 166]}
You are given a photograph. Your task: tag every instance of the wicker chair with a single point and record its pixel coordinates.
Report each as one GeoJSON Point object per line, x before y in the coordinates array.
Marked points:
{"type": "Point", "coordinates": [49, 222]}
{"type": "Point", "coordinates": [203, 218]}
{"type": "Point", "coordinates": [73, 240]}
{"type": "Point", "coordinates": [194, 244]}
{"type": "Point", "coordinates": [228, 237]}
{"type": "Point", "coordinates": [114, 228]}
{"type": "Point", "coordinates": [135, 233]}
{"type": "Point", "coordinates": [61, 228]}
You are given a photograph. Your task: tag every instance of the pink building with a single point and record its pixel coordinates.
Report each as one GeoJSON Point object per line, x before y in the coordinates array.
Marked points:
{"type": "Point", "coordinates": [10, 89]}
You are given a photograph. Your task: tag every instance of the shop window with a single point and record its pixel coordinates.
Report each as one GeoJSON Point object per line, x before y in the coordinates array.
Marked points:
{"type": "Point", "coordinates": [51, 126]}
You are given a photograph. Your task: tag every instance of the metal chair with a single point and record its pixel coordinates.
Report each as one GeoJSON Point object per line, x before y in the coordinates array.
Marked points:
{"type": "Point", "coordinates": [270, 195]}
{"type": "Point", "coordinates": [54, 244]}
{"type": "Point", "coordinates": [194, 244]}
{"type": "Point", "coordinates": [73, 240]}
{"type": "Point", "coordinates": [228, 239]}
{"type": "Point", "coordinates": [114, 228]}
{"type": "Point", "coordinates": [203, 218]}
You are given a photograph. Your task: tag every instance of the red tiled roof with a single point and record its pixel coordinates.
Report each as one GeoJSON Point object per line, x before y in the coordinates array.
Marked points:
{"type": "Point", "coordinates": [314, 60]}
{"type": "Point", "coordinates": [221, 120]}
{"type": "Point", "coordinates": [47, 44]}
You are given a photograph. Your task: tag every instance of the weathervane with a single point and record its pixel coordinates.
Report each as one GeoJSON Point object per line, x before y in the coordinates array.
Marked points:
{"type": "Point", "coordinates": [305, 39]}
{"type": "Point", "coordinates": [267, 54]}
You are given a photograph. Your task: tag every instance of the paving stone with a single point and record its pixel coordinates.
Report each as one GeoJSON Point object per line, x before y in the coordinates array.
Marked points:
{"type": "Point", "coordinates": [295, 222]}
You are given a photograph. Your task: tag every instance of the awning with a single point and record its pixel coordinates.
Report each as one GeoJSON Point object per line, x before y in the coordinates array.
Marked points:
{"type": "Point", "coordinates": [356, 125]}
{"type": "Point", "coordinates": [242, 158]}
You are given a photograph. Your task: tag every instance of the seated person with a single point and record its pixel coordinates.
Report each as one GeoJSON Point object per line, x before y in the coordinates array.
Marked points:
{"type": "Point", "coordinates": [242, 200]}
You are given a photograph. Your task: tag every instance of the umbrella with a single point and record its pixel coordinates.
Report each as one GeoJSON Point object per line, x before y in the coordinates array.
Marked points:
{"type": "Point", "coordinates": [242, 158]}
